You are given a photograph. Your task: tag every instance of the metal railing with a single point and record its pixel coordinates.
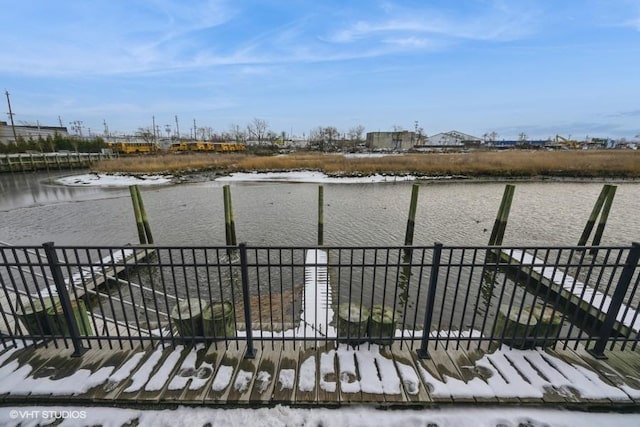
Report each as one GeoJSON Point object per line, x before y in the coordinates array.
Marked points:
{"type": "Point", "coordinates": [421, 297]}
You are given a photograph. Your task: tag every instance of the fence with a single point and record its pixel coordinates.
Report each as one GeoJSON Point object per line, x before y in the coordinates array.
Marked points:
{"type": "Point", "coordinates": [422, 297]}
{"type": "Point", "coordinates": [23, 162]}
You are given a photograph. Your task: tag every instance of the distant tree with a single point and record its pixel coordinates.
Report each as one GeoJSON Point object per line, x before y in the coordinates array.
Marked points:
{"type": "Point", "coordinates": [356, 133]}
{"type": "Point", "coordinates": [236, 133]}
{"type": "Point", "coordinates": [146, 134]}
{"type": "Point", "coordinates": [523, 137]}
{"type": "Point", "coordinates": [258, 130]}
{"type": "Point", "coordinates": [324, 138]}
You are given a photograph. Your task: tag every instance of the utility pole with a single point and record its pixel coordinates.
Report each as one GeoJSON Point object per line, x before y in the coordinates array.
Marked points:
{"type": "Point", "coordinates": [195, 130]}
{"type": "Point", "coordinates": [106, 128]}
{"type": "Point", "coordinates": [13, 126]}
{"type": "Point", "coordinates": [155, 137]}
{"type": "Point", "coordinates": [60, 121]}
{"type": "Point", "coordinates": [177, 128]}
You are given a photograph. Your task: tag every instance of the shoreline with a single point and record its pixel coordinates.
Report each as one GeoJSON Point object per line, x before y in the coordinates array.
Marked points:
{"type": "Point", "coordinates": [123, 179]}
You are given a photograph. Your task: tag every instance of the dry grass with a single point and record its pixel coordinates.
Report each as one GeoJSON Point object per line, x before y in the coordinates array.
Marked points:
{"type": "Point", "coordinates": [603, 163]}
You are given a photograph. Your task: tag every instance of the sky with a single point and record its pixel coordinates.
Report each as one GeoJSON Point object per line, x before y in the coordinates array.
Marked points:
{"type": "Point", "coordinates": [538, 67]}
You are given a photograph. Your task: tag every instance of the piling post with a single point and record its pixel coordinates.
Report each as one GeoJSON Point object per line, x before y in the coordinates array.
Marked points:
{"type": "Point", "coordinates": [611, 193]}
{"type": "Point", "coordinates": [588, 228]}
{"type": "Point", "coordinates": [136, 211]}
{"type": "Point", "coordinates": [411, 220]}
{"type": "Point", "coordinates": [423, 352]}
{"type": "Point", "coordinates": [65, 301]}
{"type": "Point", "coordinates": [616, 301]}
{"type": "Point", "coordinates": [320, 215]}
{"type": "Point", "coordinates": [143, 215]}
{"type": "Point", "coordinates": [500, 224]}
{"type": "Point", "coordinates": [229, 224]}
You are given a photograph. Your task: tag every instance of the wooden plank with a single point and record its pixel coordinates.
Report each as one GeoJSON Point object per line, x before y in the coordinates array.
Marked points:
{"type": "Point", "coordinates": [349, 381]}
{"type": "Point", "coordinates": [447, 368]}
{"type": "Point", "coordinates": [222, 382]}
{"type": "Point", "coordinates": [266, 379]}
{"type": "Point", "coordinates": [605, 372]}
{"type": "Point", "coordinates": [368, 373]}
{"type": "Point", "coordinates": [307, 384]}
{"type": "Point", "coordinates": [465, 362]}
{"type": "Point", "coordinates": [184, 374]}
{"type": "Point", "coordinates": [385, 361]}
{"type": "Point", "coordinates": [36, 359]}
{"type": "Point", "coordinates": [569, 357]}
{"type": "Point", "coordinates": [117, 358]}
{"type": "Point", "coordinates": [328, 380]}
{"type": "Point", "coordinates": [206, 369]}
{"type": "Point", "coordinates": [414, 388]}
{"type": "Point", "coordinates": [245, 377]}
{"type": "Point", "coordinates": [131, 377]}
{"type": "Point", "coordinates": [428, 368]}
{"type": "Point", "coordinates": [285, 387]}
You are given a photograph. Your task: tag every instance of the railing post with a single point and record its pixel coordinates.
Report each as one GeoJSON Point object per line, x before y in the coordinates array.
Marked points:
{"type": "Point", "coordinates": [244, 272]}
{"type": "Point", "coordinates": [423, 353]}
{"type": "Point", "coordinates": [616, 301]}
{"type": "Point", "coordinates": [65, 302]}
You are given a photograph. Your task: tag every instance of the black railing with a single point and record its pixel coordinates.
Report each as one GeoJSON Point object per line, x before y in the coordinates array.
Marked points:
{"type": "Point", "coordinates": [421, 297]}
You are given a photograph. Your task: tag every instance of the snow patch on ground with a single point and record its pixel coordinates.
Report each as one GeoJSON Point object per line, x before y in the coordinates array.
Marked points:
{"type": "Point", "coordinates": [113, 180]}
{"type": "Point", "coordinates": [284, 415]}
{"type": "Point", "coordinates": [310, 177]}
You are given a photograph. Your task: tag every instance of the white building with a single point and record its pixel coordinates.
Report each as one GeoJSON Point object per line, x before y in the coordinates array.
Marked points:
{"type": "Point", "coordinates": [452, 138]}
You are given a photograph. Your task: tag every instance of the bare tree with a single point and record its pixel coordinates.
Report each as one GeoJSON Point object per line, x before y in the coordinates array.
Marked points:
{"type": "Point", "coordinates": [146, 134]}
{"type": "Point", "coordinates": [355, 133]}
{"type": "Point", "coordinates": [237, 134]}
{"type": "Point", "coordinates": [258, 129]}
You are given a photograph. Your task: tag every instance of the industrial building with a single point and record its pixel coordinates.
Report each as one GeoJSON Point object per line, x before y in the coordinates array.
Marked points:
{"type": "Point", "coordinates": [391, 141]}
{"type": "Point", "coordinates": [28, 132]}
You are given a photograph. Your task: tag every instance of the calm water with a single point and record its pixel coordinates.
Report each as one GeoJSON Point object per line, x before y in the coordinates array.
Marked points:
{"type": "Point", "coordinates": [34, 209]}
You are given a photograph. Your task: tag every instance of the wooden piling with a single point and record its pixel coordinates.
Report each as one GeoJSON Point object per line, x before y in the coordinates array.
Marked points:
{"type": "Point", "coordinates": [611, 193]}
{"type": "Point", "coordinates": [411, 221]}
{"type": "Point", "coordinates": [136, 211]}
{"type": "Point", "coordinates": [229, 224]}
{"type": "Point", "coordinates": [594, 215]}
{"type": "Point", "coordinates": [500, 224]}
{"type": "Point", "coordinates": [143, 214]}
{"type": "Point", "coordinates": [320, 215]}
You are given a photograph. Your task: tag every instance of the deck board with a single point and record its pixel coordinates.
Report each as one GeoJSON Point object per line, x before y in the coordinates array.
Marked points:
{"type": "Point", "coordinates": [266, 379]}
{"type": "Point", "coordinates": [285, 384]}
{"type": "Point", "coordinates": [332, 376]}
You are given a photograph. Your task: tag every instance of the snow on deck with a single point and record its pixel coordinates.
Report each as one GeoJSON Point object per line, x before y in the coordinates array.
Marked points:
{"type": "Point", "coordinates": [627, 316]}
{"type": "Point", "coordinates": [345, 374]}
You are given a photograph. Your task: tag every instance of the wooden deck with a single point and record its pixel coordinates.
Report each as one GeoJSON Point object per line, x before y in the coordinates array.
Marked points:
{"type": "Point", "coordinates": [328, 375]}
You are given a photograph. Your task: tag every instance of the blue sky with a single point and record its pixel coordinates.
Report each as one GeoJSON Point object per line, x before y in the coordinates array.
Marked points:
{"type": "Point", "coordinates": [507, 66]}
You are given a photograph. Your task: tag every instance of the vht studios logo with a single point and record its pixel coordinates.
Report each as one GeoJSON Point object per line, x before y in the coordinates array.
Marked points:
{"type": "Point", "coordinates": [34, 414]}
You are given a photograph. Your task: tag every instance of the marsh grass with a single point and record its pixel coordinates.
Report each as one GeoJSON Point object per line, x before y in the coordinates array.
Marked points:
{"type": "Point", "coordinates": [601, 163]}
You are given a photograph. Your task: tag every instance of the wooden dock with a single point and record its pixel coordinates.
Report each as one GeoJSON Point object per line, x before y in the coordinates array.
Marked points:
{"type": "Point", "coordinates": [587, 299]}
{"type": "Point", "coordinates": [28, 162]}
{"type": "Point", "coordinates": [318, 376]}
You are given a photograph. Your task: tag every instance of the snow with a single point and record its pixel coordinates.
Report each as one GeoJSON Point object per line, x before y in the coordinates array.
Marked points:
{"type": "Point", "coordinates": [243, 379]}
{"type": "Point", "coordinates": [627, 316]}
{"type": "Point", "coordinates": [262, 381]}
{"type": "Point", "coordinates": [113, 180]}
{"type": "Point", "coordinates": [287, 378]}
{"type": "Point", "coordinates": [223, 378]}
{"type": "Point", "coordinates": [307, 381]}
{"type": "Point", "coordinates": [287, 416]}
{"type": "Point", "coordinates": [157, 381]}
{"type": "Point", "coordinates": [310, 177]}
{"type": "Point", "coordinates": [141, 376]}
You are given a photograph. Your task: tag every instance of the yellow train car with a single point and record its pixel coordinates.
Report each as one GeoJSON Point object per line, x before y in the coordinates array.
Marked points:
{"type": "Point", "coordinates": [133, 147]}
{"type": "Point", "coordinates": [200, 146]}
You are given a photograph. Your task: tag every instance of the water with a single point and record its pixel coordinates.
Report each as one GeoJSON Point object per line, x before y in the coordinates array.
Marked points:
{"type": "Point", "coordinates": [35, 210]}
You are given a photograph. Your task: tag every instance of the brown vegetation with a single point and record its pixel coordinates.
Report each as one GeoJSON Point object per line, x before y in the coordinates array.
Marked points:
{"type": "Point", "coordinates": [516, 163]}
